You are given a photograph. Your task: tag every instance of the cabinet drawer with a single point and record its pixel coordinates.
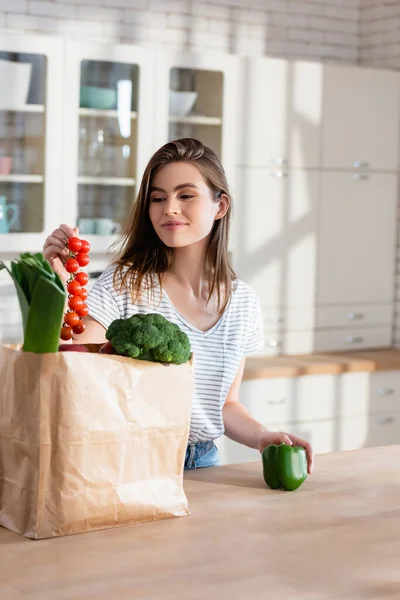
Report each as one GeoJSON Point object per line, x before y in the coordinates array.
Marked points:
{"type": "Point", "coordinates": [268, 400]}
{"type": "Point", "coordinates": [347, 339]}
{"type": "Point", "coordinates": [290, 400]}
{"type": "Point", "coordinates": [289, 318]}
{"type": "Point", "coordinates": [354, 316]}
{"type": "Point", "coordinates": [370, 430]}
{"type": "Point", "coordinates": [384, 392]}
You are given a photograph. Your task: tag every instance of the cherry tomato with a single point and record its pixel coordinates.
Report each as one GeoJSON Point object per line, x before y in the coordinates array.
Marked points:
{"type": "Point", "coordinates": [82, 312]}
{"type": "Point", "coordinates": [79, 327]}
{"type": "Point", "coordinates": [83, 293]}
{"type": "Point", "coordinates": [71, 319]}
{"type": "Point", "coordinates": [72, 265]}
{"type": "Point", "coordinates": [82, 278]}
{"type": "Point", "coordinates": [75, 289]}
{"type": "Point", "coordinates": [85, 247]}
{"type": "Point", "coordinates": [74, 244]}
{"type": "Point", "coordinates": [82, 259]}
{"type": "Point", "coordinates": [75, 303]}
{"type": "Point", "coordinates": [66, 333]}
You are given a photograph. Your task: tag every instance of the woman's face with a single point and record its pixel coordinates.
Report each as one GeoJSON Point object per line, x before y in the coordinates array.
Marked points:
{"type": "Point", "coordinates": [182, 209]}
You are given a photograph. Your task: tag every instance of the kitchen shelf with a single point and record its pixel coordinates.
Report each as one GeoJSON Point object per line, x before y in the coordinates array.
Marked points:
{"type": "Point", "coordinates": [127, 181]}
{"type": "Point", "coordinates": [21, 178]}
{"type": "Point", "coordinates": [97, 112]}
{"type": "Point", "coordinates": [28, 108]}
{"type": "Point", "coordinates": [196, 120]}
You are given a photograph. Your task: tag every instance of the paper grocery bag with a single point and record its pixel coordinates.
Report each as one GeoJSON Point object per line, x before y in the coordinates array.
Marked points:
{"type": "Point", "coordinates": [90, 441]}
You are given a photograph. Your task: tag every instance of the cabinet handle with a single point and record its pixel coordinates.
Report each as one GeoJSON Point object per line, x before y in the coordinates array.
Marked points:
{"type": "Point", "coordinates": [274, 343]}
{"type": "Point", "coordinates": [352, 316]}
{"type": "Point", "coordinates": [385, 420]}
{"type": "Point", "coordinates": [354, 340]}
{"type": "Point", "coordinates": [359, 177]}
{"type": "Point", "coordinates": [276, 402]}
{"type": "Point", "coordinates": [359, 164]}
{"type": "Point", "coordinates": [274, 320]}
{"type": "Point", "coordinates": [279, 161]}
{"type": "Point", "coordinates": [280, 174]}
{"type": "Point", "coordinates": [385, 391]}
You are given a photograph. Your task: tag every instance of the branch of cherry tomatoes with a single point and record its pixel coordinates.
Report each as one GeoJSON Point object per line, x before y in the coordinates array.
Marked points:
{"type": "Point", "coordinates": [77, 293]}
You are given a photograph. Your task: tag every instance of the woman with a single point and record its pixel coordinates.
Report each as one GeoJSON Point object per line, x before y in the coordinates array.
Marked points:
{"type": "Point", "coordinates": [174, 261]}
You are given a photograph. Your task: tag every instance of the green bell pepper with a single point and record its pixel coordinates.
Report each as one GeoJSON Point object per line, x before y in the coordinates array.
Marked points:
{"type": "Point", "coordinates": [284, 466]}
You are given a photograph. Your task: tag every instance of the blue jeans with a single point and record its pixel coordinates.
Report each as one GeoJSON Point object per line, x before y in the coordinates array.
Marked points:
{"type": "Point", "coordinates": [201, 454]}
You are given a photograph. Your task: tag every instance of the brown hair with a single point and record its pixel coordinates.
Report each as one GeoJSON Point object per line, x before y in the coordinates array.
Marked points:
{"type": "Point", "coordinates": [143, 256]}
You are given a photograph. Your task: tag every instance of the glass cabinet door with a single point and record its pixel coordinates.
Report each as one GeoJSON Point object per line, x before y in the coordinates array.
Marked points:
{"type": "Point", "coordinates": [107, 144]}
{"type": "Point", "coordinates": [196, 106]}
{"type": "Point", "coordinates": [22, 141]}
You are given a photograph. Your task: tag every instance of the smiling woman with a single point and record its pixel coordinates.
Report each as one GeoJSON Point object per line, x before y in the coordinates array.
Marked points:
{"type": "Point", "coordinates": [174, 261]}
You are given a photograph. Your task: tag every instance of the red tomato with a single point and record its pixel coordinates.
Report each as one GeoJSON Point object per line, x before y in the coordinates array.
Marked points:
{"type": "Point", "coordinates": [82, 278]}
{"type": "Point", "coordinates": [74, 244]}
{"type": "Point", "coordinates": [83, 293]}
{"type": "Point", "coordinates": [75, 289]}
{"type": "Point", "coordinates": [79, 327]}
{"type": "Point", "coordinates": [82, 259]}
{"type": "Point", "coordinates": [66, 333]}
{"type": "Point", "coordinates": [85, 247]}
{"type": "Point", "coordinates": [75, 303]}
{"type": "Point", "coordinates": [71, 319]}
{"type": "Point", "coordinates": [72, 265]}
{"type": "Point", "coordinates": [82, 312]}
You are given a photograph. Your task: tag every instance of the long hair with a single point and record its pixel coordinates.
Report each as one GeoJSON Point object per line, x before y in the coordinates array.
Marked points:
{"type": "Point", "coordinates": [143, 257]}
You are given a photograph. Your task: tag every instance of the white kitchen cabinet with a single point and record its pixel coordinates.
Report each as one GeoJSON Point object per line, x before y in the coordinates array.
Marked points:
{"type": "Point", "coordinates": [360, 118]}
{"type": "Point", "coordinates": [370, 430]}
{"type": "Point", "coordinates": [281, 113]}
{"type": "Point", "coordinates": [211, 81]}
{"type": "Point", "coordinates": [354, 315]}
{"type": "Point", "coordinates": [30, 134]}
{"type": "Point", "coordinates": [333, 412]}
{"type": "Point", "coordinates": [108, 135]}
{"type": "Point", "coordinates": [357, 238]}
{"type": "Point", "coordinates": [348, 339]}
{"type": "Point", "coordinates": [276, 250]}
{"type": "Point", "coordinates": [323, 435]}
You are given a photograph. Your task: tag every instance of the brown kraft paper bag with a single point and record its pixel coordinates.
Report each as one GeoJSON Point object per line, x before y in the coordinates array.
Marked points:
{"type": "Point", "coordinates": [90, 441]}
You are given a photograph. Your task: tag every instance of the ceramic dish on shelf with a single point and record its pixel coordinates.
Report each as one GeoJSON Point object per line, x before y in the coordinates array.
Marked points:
{"type": "Point", "coordinates": [181, 103]}
{"type": "Point", "coordinates": [16, 77]}
{"type": "Point", "coordinates": [97, 97]}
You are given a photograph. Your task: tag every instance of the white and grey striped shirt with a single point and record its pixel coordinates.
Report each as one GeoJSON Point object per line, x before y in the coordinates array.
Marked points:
{"type": "Point", "coordinates": [217, 351]}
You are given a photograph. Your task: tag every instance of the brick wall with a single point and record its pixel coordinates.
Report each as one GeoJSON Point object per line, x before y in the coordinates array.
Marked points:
{"type": "Point", "coordinates": [380, 33]}
{"type": "Point", "coordinates": [314, 29]}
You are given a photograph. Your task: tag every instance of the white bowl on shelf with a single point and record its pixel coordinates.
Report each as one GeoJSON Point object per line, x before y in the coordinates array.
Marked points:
{"type": "Point", "coordinates": [181, 103]}
{"type": "Point", "coordinates": [16, 78]}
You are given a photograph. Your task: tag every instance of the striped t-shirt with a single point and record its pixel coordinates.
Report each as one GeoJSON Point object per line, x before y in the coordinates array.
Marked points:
{"type": "Point", "coordinates": [217, 351]}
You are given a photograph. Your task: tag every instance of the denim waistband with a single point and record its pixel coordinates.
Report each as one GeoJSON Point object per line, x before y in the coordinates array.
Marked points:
{"type": "Point", "coordinates": [201, 454]}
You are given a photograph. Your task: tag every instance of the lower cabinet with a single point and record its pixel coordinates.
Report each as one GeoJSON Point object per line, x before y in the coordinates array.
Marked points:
{"type": "Point", "coordinates": [333, 412]}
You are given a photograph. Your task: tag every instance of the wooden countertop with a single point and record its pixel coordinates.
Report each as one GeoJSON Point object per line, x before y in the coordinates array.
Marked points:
{"type": "Point", "coordinates": [337, 537]}
{"type": "Point", "coordinates": [263, 367]}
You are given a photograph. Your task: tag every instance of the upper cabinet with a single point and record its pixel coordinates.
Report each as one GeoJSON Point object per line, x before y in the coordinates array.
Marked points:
{"type": "Point", "coordinates": [280, 108]}
{"type": "Point", "coordinates": [357, 238]}
{"type": "Point", "coordinates": [196, 96]}
{"type": "Point", "coordinates": [108, 124]}
{"type": "Point", "coordinates": [30, 139]}
{"type": "Point", "coordinates": [360, 118]}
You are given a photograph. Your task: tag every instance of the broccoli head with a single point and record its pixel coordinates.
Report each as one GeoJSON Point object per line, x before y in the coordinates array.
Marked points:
{"type": "Point", "coordinates": [149, 337]}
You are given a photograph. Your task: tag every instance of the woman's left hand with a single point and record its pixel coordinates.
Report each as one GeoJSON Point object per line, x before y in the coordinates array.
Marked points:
{"type": "Point", "coordinates": [277, 437]}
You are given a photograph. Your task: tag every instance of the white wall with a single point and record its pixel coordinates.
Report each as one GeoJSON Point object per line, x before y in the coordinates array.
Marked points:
{"type": "Point", "coordinates": [315, 29]}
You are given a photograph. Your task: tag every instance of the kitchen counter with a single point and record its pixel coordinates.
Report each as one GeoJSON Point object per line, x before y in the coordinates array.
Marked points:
{"type": "Point", "coordinates": [386, 359]}
{"type": "Point", "coordinates": [337, 537]}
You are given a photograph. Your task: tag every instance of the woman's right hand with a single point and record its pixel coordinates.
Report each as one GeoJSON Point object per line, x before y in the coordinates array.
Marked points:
{"type": "Point", "coordinates": [55, 250]}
